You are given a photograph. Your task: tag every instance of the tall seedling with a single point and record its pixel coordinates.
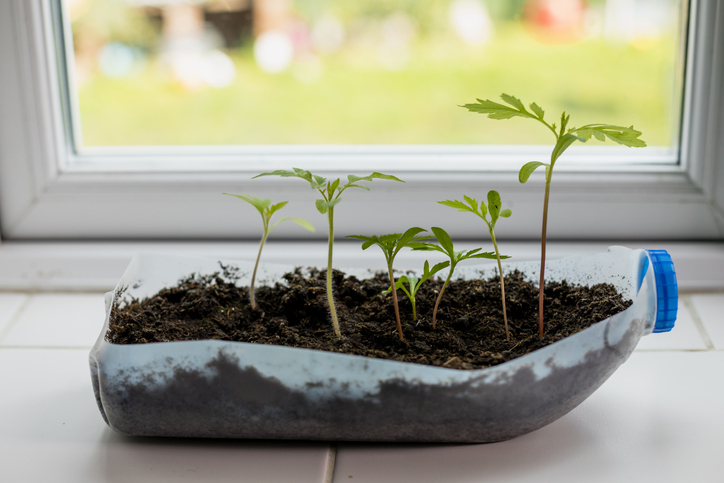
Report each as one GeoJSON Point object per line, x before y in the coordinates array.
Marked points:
{"type": "Point", "coordinates": [331, 192]}
{"type": "Point", "coordinates": [565, 136]}
{"type": "Point", "coordinates": [494, 205]}
{"type": "Point", "coordinates": [266, 209]}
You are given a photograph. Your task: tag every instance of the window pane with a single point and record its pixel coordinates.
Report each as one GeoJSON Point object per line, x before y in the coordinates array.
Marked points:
{"type": "Point", "coordinates": [275, 72]}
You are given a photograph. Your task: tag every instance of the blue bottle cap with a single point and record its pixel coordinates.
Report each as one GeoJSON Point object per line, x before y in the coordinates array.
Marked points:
{"type": "Point", "coordinates": [667, 294]}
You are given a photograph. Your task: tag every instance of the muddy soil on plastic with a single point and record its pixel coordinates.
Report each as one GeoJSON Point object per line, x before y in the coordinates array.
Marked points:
{"type": "Point", "coordinates": [469, 332]}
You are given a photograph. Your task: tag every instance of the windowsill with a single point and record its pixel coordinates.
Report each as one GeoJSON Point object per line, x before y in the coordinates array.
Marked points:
{"type": "Point", "coordinates": [665, 400]}
{"type": "Point", "coordinates": [97, 266]}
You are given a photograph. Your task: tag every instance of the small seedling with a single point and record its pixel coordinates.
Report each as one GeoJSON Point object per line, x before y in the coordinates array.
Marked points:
{"type": "Point", "coordinates": [391, 245]}
{"type": "Point", "coordinates": [331, 192]}
{"type": "Point", "coordinates": [565, 136]}
{"type": "Point", "coordinates": [266, 209]}
{"type": "Point", "coordinates": [494, 205]}
{"type": "Point", "coordinates": [446, 246]}
{"type": "Point", "coordinates": [415, 283]}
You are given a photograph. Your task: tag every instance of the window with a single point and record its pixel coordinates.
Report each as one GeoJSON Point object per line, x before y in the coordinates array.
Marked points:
{"type": "Point", "coordinates": [66, 174]}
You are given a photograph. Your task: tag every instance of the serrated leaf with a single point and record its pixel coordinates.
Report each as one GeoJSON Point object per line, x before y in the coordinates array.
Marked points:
{"type": "Point", "coordinates": [528, 169]}
{"type": "Point", "coordinates": [513, 101]}
{"type": "Point", "coordinates": [537, 110]}
{"type": "Point", "coordinates": [494, 110]}
{"type": "Point", "coordinates": [627, 136]}
{"type": "Point", "coordinates": [354, 178]}
{"type": "Point", "coordinates": [486, 255]}
{"type": "Point", "coordinates": [472, 202]}
{"type": "Point", "coordinates": [564, 121]}
{"type": "Point", "coordinates": [458, 205]}
{"type": "Point", "coordinates": [279, 172]}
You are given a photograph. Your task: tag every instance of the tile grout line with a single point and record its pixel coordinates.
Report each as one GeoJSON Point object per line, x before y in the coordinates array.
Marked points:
{"type": "Point", "coordinates": [331, 464]}
{"type": "Point", "coordinates": [14, 318]}
{"type": "Point", "coordinates": [697, 321]}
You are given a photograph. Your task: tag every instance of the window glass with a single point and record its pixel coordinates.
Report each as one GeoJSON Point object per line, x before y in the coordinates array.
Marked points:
{"type": "Point", "coordinates": [374, 72]}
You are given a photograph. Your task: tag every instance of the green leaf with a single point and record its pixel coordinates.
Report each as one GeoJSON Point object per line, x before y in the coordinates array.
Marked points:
{"type": "Point", "coordinates": [537, 110]}
{"type": "Point", "coordinates": [299, 221]}
{"type": "Point", "coordinates": [563, 143]}
{"type": "Point", "coordinates": [506, 213]}
{"type": "Point", "coordinates": [514, 101]}
{"type": "Point", "coordinates": [444, 239]}
{"type": "Point", "coordinates": [297, 173]}
{"type": "Point", "coordinates": [528, 169]}
{"type": "Point", "coordinates": [472, 202]}
{"type": "Point", "coordinates": [356, 186]}
{"type": "Point", "coordinates": [495, 110]}
{"type": "Point", "coordinates": [327, 204]}
{"type": "Point", "coordinates": [486, 255]}
{"type": "Point", "coordinates": [494, 205]}
{"type": "Point", "coordinates": [627, 136]}
{"type": "Point", "coordinates": [318, 182]}
{"type": "Point", "coordinates": [564, 121]}
{"type": "Point", "coordinates": [458, 205]}
{"type": "Point", "coordinates": [274, 208]}
{"type": "Point", "coordinates": [333, 187]}
{"type": "Point", "coordinates": [388, 177]}
{"type": "Point", "coordinates": [408, 237]}
{"type": "Point", "coordinates": [322, 206]}
{"type": "Point", "coordinates": [354, 178]}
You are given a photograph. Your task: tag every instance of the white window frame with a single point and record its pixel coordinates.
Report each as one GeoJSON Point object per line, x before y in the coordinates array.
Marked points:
{"type": "Point", "coordinates": [138, 196]}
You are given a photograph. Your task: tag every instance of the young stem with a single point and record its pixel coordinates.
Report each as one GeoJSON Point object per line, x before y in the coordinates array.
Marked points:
{"type": "Point", "coordinates": [543, 254]}
{"type": "Point", "coordinates": [330, 298]}
{"type": "Point", "coordinates": [439, 297]}
{"type": "Point", "coordinates": [502, 286]}
{"type": "Point", "coordinates": [252, 301]}
{"type": "Point", "coordinates": [394, 299]}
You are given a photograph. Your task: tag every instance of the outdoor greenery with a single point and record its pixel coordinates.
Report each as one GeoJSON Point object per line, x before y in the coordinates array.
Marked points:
{"type": "Point", "coordinates": [354, 101]}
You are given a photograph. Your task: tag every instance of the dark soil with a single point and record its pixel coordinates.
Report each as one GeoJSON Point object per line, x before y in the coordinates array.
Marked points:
{"type": "Point", "coordinates": [469, 332]}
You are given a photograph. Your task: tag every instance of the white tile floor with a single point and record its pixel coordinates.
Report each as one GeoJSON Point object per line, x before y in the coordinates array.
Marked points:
{"type": "Point", "coordinates": [659, 418]}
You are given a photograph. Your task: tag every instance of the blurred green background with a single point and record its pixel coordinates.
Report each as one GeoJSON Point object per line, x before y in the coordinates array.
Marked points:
{"type": "Point", "coordinates": [391, 71]}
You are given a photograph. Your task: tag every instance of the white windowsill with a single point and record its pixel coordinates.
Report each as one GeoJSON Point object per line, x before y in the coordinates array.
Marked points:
{"type": "Point", "coordinates": [97, 266]}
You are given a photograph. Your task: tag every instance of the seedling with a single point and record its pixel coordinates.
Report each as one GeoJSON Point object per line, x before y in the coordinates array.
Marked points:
{"type": "Point", "coordinates": [266, 209]}
{"type": "Point", "coordinates": [565, 136]}
{"type": "Point", "coordinates": [391, 245]}
{"type": "Point", "coordinates": [415, 283]}
{"type": "Point", "coordinates": [494, 205]}
{"type": "Point", "coordinates": [331, 192]}
{"type": "Point", "coordinates": [446, 246]}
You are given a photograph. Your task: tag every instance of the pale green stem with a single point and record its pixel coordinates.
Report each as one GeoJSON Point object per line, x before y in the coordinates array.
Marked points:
{"type": "Point", "coordinates": [394, 299]}
{"type": "Point", "coordinates": [252, 301]}
{"type": "Point", "coordinates": [330, 298]}
{"type": "Point", "coordinates": [541, 288]}
{"type": "Point", "coordinates": [502, 285]}
{"type": "Point", "coordinates": [439, 297]}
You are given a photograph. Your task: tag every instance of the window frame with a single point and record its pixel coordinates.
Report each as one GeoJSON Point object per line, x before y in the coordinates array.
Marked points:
{"type": "Point", "coordinates": [41, 200]}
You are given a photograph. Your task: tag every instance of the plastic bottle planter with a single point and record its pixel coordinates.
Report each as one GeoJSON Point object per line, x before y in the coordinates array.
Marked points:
{"type": "Point", "coordinates": [241, 390]}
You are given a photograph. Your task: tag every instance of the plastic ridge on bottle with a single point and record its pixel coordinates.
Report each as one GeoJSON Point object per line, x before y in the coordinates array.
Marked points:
{"type": "Point", "coordinates": [667, 294]}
